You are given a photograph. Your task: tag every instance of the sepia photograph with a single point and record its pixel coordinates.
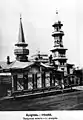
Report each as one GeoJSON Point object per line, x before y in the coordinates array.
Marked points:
{"type": "Point", "coordinates": [41, 55]}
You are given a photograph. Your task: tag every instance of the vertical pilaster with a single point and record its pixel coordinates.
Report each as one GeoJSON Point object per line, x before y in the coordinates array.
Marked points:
{"type": "Point", "coordinates": [25, 82]}
{"type": "Point", "coordinates": [50, 79]}
{"type": "Point", "coordinates": [53, 82]}
{"type": "Point", "coordinates": [43, 80]}
{"type": "Point", "coordinates": [15, 82]}
{"type": "Point", "coordinates": [12, 84]}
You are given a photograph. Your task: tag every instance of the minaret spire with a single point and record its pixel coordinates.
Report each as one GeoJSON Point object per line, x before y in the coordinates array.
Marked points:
{"type": "Point", "coordinates": [21, 33]}
{"type": "Point", "coordinates": [20, 16]}
{"type": "Point", "coordinates": [21, 52]}
{"type": "Point", "coordinates": [59, 52]}
{"type": "Point", "coordinates": [57, 16]}
{"type": "Point", "coordinates": [56, 11]}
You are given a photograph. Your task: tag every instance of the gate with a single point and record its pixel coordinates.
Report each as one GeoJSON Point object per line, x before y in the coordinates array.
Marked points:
{"type": "Point", "coordinates": [71, 81]}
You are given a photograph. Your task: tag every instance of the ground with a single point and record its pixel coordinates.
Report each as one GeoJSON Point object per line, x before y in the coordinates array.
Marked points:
{"type": "Point", "coordinates": [64, 101]}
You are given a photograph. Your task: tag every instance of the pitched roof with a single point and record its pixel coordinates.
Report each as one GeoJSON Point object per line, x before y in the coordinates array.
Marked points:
{"type": "Point", "coordinates": [45, 65]}
{"type": "Point", "coordinates": [4, 65]}
{"type": "Point", "coordinates": [20, 65]}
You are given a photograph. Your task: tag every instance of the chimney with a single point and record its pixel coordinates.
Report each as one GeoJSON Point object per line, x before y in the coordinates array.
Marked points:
{"type": "Point", "coordinates": [8, 60]}
{"type": "Point", "coordinates": [50, 59]}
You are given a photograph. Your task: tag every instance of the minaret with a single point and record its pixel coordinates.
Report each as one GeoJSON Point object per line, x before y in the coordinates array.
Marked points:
{"type": "Point", "coordinates": [21, 51]}
{"type": "Point", "coordinates": [59, 52]}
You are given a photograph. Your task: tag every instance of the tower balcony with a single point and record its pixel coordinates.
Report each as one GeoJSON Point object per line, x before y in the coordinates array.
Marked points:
{"type": "Point", "coordinates": [61, 58]}
{"type": "Point", "coordinates": [21, 44]}
{"type": "Point", "coordinates": [58, 23]}
{"type": "Point", "coordinates": [59, 49]}
{"type": "Point", "coordinates": [62, 55]}
{"type": "Point", "coordinates": [21, 52]}
{"type": "Point", "coordinates": [57, 33]}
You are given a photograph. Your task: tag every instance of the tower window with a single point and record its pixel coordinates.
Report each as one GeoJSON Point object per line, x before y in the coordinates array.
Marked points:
{"type": "Point", "coordinates": [58, 41]}
{"type": "Point", "coordinates": [62, 68]}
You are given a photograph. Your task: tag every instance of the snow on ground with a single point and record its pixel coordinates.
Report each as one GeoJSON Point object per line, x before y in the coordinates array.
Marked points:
{"type": "Point", "coordinates": [78, 87]}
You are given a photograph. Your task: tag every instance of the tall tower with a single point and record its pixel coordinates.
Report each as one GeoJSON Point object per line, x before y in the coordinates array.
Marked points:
{"type": "Point", "coordinates": [58, 51]}
{"type": "Point", "coordinates": [21, 51]}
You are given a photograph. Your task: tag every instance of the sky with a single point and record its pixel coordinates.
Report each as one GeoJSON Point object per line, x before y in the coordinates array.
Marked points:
{"type": "Point", "coordinates": [37, 18]}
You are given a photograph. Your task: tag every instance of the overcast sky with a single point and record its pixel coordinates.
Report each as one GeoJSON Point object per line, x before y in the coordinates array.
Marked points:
{"type": "Point", "coordinates": [38, 17]}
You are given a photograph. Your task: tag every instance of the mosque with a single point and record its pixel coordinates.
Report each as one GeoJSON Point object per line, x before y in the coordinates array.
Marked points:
{"type": "Point", "coordinates": [41, 72]}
